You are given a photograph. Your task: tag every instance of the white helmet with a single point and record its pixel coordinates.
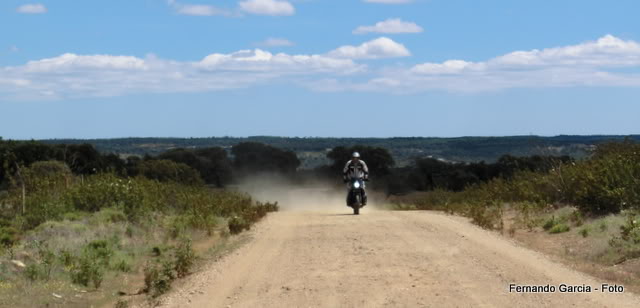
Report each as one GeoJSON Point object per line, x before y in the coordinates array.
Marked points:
{"type": "Point", "coordinates": [355, 155]}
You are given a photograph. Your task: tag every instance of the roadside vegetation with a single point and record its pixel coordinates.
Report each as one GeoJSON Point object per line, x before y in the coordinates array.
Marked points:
{"type": "Point", "coordinates": [590, 208]}
{"type": "Point", "coordinates": [94, 234]}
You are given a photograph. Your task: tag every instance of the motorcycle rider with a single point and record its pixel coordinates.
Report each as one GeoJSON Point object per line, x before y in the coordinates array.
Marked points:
{"type": "Point", "coordinates": [356, 169]}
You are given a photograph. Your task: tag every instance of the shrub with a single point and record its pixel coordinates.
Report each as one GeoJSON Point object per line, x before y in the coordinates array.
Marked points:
{"type": "Point", "coordinates": [577, 218]}
{"type": "Point", "coordinates": [158, 277]}
{"type": "Point", "coordinates": [87, 270]}
{"type": "Point", "coordinates": [111, 215]}
{"type": "Point", "coordinates": [100, 250]}
{"type": "Point", "coordinates": [122, 266]}
{"type": "Point", "coordinates": [178, 225]}
{"type": "Point", "coordinates": [8, 236]}
{"type": "Point", "coordinates": [237, 224]}
{"type": "Point", "coordinates": [66, 258]}
{"type": "Point", "coordinates": [630, 231]}
{"type": "Point", "coordinates": [626, 244]}
{"type": "Point", "coordinates": [559, 228]}
{"type": "Point", "coordinates": [72, 216]}
{"type": "Point", "coordinates": [607, 182]}
{"type": "Point", "coordinates": [32, 272]}
{"type": "Point", "coordinates": [47, 260]}
{"type": "Point", "coordinates": [488, 217]}
{"type": "Point", "coordinates": [584, 232]}
{"type": "Point", "coordinates": [550, 223]}
{"type": "Point", "coordinates": [49, 175]}
{"type": "Point", "coordinates": [184, 258]}
{"type": "Point", "coordinates": [603, 226]}
{"type": "Point", "coordinates": [157, 251]}
{"type": "Point", "coordinates": [90, 266]}
{"type": "Point", "coordinates": [121, 304]}
{"type": "Point", "coordinates": [106, 190]}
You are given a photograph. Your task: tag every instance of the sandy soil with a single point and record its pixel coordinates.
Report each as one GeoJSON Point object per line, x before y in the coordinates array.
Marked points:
{"type": "Point", "coordinates": [382, 259]}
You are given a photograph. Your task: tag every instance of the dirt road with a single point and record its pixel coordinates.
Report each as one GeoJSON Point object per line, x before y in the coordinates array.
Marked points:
{"type": "Point", "coordinates": [383, 259]}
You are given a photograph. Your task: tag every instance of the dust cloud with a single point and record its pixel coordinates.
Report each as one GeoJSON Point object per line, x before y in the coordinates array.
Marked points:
{"type": "Point", "coordinates": [314, 197]}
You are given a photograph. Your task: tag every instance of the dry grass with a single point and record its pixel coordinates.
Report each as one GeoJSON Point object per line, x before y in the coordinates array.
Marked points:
{"type": "Point", "coordinates": [592, 254]}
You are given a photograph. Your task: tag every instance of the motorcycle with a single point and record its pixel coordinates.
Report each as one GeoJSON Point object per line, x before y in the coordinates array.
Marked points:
{"type": "Point", "coordinates": [355, 195]}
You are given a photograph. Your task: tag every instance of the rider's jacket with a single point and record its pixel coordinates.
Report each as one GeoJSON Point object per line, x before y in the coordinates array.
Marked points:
{"type": "Point", "coordinates": [355, 169]}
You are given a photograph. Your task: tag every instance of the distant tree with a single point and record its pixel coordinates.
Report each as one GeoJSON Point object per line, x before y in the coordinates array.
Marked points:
{"type": "Point", "coordinates": [112, 162]}
{"type": "Point", "coordinates": [165, 170]}
{"type": "Point", "coordinates": [81, 158]}
{"type": "Point", "coordinates": [508, 165]}
{"type": "Point", "coordinates": [430, 173]}
{"type": "Point", "coordinates": [254, 157]}
{"type": "Point", "coordinates": [213, 164]}
{"type": "Point", "coordinates": [50, 173]}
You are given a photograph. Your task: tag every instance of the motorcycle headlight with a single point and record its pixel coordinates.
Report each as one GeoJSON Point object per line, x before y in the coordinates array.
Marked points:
{"type": "Point", "coordinates": [356, 184]}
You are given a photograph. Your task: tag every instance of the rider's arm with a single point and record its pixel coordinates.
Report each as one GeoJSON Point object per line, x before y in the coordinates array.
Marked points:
{"type": "Point", "coordinates": [345, 170]}
{"type": "Point", "coordinates": [365, 169]}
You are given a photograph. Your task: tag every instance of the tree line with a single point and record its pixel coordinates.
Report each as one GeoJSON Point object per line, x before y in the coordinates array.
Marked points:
{"type": "Point", "coordinates": [214, 165]}
{"type": "Point", "coordinates": [218, 167]}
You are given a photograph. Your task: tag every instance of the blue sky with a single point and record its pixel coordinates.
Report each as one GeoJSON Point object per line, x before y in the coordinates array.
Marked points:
{"type": "Point", "coordinates": [350, 68]}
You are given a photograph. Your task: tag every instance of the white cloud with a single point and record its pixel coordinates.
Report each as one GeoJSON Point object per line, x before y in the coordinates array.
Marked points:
{"type": "Point", "coordinates": [74, 76]}
{"type": "Point", "coordinates": [267, 7]}
{"type": "Point", "coordinates": [263, 61]}
{"type": "Point", "coordinates": [606, 52]}
{"type": "Point", "coordinates": [197, 9]}
{"type": "Point", "coordinates": [606, 62]}
{"type": "Point", "coordinates": [32, 9]}
{"type": "Point", "coordinates": [275, 42]}
{"type": "Point", "coordinates": [391, 25]}
{"type": "Point", "coordinates": [389, 1]}
{"type": "Point", "coordinates": [447, 67]}
{"type": "Point", "coordinates": [382, 47]}
{"type": "Point", "coordinates": [592, 63]}
{"type": "Point", "coordinates": [74, 62]}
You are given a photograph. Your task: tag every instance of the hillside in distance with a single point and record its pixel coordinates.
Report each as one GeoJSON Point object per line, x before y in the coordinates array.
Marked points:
{"type": "Point", "coordinates": [312, 150]}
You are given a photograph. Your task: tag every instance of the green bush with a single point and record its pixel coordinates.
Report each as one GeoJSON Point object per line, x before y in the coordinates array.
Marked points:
{"type": "Point", "coordinates": [158, 277]}
{"type": "Point", "coordinates": [178, 225]}
{"type": "Point", "coordinates": [559, 228]}
{"type": "Point", "coordinates": [32, 272]}
{"type": "Point", "coordinates": [627, 243]}
{"type": "Point", "coordinates": [550, 223]}
{"type": "Point", "coordinates": [630, 231]}
{"type": "Point", "coordinates": [47, 259]}
{"type": "Point", "coordinates": [603, 226]}
{"type": "Point", "coordinates": [488, 217]}
{"type": "Point", "coordinates": [87, 270]}
{"type": "Point", "coordinates": [584, 232]}
{"type": "Point", "coordinates": [577, 218]}
{"type": "Point", "coordinates": [237, 225]}
{"type": "Point", "coordinates": [89, 267]}
{"type": "Point", "coordinates": [101, 250]}
{"type": "Point", "coordinates": [73, 216]}
{"type": "Point", "coordinates": [104, 191]}
{"type": "Point", "coordinates": [605, 183]}
{"type": "Point", "coordinates": [122, 266]}
{"type": "Point", "coordinates": [8, 236]}
{"type": "Point", "coordinates": [184, 258]}
{"type": "Point", "coordinates": [66, 258]}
